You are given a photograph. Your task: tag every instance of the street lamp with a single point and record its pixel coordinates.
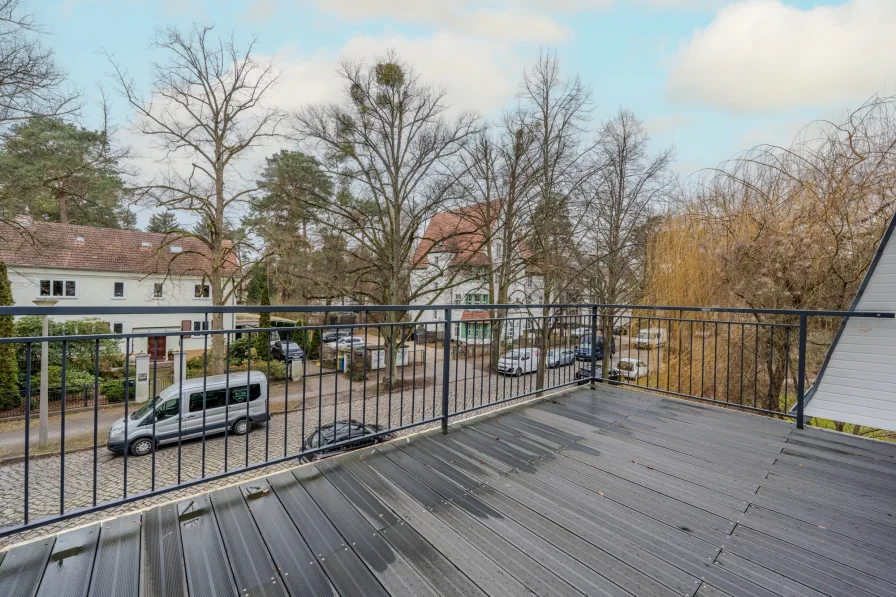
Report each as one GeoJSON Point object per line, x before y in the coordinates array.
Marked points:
{"type": "Point", "coordinates": [44, 382]}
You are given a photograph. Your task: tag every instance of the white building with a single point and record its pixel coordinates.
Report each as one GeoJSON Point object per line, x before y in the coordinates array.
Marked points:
{"type": "Point", "coordinates": [452, 260]}
{"type": "Point", "coordinates": [103, 267]}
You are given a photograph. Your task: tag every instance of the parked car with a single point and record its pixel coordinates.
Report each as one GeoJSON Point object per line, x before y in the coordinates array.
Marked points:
{"type": "Point", "coordinates": [581, 332]}
{"type": "Point", "coordinates": [652, 338]}
{"type": "Point", "coordinates": [348, 343]}
{"type": "Point", "coordinates": [630, 369]}
{"type": "Point", "coordinates": [557, 357]}
{"type": "Point", "coordinates": [333, 336]}
{"type": "Point", "coordinates": [287, 351]}
{"type": "Point", "coordinates": [213, 404]}
{"type": "Point", "coordinates": [342, 431]}
{"type": "Point", "coordinates": [584, 374]}
{"type": "Point", "coordinates": [519, 361]}
{"type": "Point", "coordinates": [584, 350]}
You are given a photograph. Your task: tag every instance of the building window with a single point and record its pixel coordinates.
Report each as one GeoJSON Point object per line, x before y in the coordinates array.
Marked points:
{"type": "Point", "coordinates": [116, 327]}
{"type": "Point", "coordinates": [158, 290]}
{"type": "Point", "coordinates": [476, 299]}
{"type": "Point", "coordinates": [118, 290]}
{"type": "Point", "coordinates": [58, 288]}
{"type": "Point", "coordinates": [201, 291]}
{"type": "Point", "coordinates": [199, 326]}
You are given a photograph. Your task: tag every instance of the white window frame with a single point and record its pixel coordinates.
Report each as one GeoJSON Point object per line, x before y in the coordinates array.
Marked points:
{"type": "Point", "coordinates": [203, 326]}
{"type": "Point", "coordinates": [57, 296]}
{"type": "Point", "coordinates": [161, 287]}
{"type": "Point", "coordinates": [203, 287]}
{"type": "Point", "coordinates": [124, 290]}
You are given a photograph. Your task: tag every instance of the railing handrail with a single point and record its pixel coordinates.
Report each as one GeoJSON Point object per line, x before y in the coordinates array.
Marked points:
{"type": "Point", "coordinates": [19, 310]}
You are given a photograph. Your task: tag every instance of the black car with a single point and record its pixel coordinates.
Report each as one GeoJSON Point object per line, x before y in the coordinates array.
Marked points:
{"type": "Point", "coordinates": [362, 435]}
{"type": "Point", "coordinates": [583, 350]}
{"type": "Point", "coordinates": [584, 375]}
{"type": "Point", "coordinates": [287, 351]}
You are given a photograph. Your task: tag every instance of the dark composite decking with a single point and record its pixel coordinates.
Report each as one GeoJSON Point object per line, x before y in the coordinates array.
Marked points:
{"type": "Point", "coordinates": [607, 492]}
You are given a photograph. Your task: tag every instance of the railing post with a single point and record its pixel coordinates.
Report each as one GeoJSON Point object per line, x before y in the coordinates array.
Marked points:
{"type": "Point", "coordinates": [446, 369]}
{"type": "Point", "coordinates": [801, 372]}
{"type": "Point", "coordinates": [594, 347]}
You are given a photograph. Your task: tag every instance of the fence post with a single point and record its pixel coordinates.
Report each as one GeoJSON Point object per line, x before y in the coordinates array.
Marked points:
{"type": "Point", "coordinates": [594, 347]}
{"type": "Point", "coordinates": [801, 372]}
{"type": "Point", "coordinates": [446, 368]}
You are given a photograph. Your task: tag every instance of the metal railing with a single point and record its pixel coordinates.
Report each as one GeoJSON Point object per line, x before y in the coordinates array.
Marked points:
{"type": "Point", "coordinates": [236, 405]}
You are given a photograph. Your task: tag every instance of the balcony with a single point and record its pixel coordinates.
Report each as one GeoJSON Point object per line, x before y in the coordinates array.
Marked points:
{"type": "Point", "coordinates": [639, 487]}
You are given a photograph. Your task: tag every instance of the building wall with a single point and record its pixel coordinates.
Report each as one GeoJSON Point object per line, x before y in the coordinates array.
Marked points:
{"type": "Point", "coordinates": [524, 291]}
{"type": "Point", "coordinates": [859, 383]}
{"type": "Point", "coordinates": [96, 289]}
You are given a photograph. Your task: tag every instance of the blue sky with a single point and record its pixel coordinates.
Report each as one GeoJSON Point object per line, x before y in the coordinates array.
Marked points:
{"type": "Point", "coordinates": [712, 77]}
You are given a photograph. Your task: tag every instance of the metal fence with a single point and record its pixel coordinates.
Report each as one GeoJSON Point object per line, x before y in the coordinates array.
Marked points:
{"type": "Point", "coordinates": [239, 405]}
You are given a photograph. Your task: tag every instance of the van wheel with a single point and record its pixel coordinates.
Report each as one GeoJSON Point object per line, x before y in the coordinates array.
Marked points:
{"type": "Point", "coordinates": [240, 427]}
{"type": "Point", "coordinates": [142, 446]}
{"type": "Point", "coordinates": [519, 371]}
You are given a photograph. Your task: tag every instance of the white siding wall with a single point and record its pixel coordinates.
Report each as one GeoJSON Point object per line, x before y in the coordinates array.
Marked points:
{"type": "Point", "coordinates": [96, 289]}
{"type": "Point", "coordinates": [859, 384]}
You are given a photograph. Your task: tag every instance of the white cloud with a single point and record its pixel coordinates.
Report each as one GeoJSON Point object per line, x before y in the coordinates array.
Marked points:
{"type": "Point", "coordinates": [261, 10]}
{"type": "Point", "coordinates": [761, 55]}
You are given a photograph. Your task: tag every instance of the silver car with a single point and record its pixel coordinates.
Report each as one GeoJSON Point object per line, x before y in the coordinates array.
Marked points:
{"type": "Point", "coordinates": [557, 357]}
{"type": "Point", "coordinates": [210, 404]}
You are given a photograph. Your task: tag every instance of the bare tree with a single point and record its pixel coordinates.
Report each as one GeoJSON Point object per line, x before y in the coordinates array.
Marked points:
{"type": "Point", "coordinates": [395, 151]}
{"type": "Point", "coordinates": [499, 178]}
{"type": "Point", "coordinates": [628, 187]}
{"type": "Point", "coordinates": [206, 109]}
{"type": "Point", "coordinates": [31, 84]}
{"type": "Point", "coordinates": [558, 108]}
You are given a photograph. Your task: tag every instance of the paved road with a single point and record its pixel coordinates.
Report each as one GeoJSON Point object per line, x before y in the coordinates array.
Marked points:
{"type": "Point", "coordinates": [471, 384]}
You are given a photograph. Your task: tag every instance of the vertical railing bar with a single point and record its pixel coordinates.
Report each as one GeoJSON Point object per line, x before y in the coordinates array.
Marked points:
{"type": "Point", "coordinates": [96, 402]}
{"type": "Point", "coordinates": [351, 381]}
{"type": "Point", "coordinates": [180, 408]}
{"type": "Point", "coordinates": [703, 358]}
{"type": "Point", "coordinates": [62, 429]}
{"type": "Point", "coordinates": [786, 368]}
{"type": "Point", "coordinates": [715, 358]}
{"type": "Point", "coordinates": [27, 462]}
{"type": "Point", "coordinates": [205, 387]}
{"type": "Point", "coordinates": [249, 388]}
{"type": "Point", "coordinates": [593, 384]}
{"type": "Point", "coordinates": [286, 394]}
{"type": "Point", "coordinates": [801, 372]}
{"type": "Point", "coordinates": [756, 367]}
{"type": "Point", "coordinates": [305, 357]}
{"type": "Point", "coordinates": [155, 408]}
{"type": "Point", "coordinates": [380, 362]}
{"type": "Point", "coordinates": [446, 369]}
{"type": "Point", "coordinates": [679, 351]}
{"type": "Point", "coordinates": [740, 395]}
{"type": "Point", "coordinates": [267, 396]}
{"type": "Point", "coordinates": [771, 364]}
{"type": "Point", "coordinates": [728, 367]}
{"type": "Point", "coordinates": [364, 375]}
{"type": "Point", "coordinates": [127, 419]}
{"type": "Point", "coordinates": [226, 403]}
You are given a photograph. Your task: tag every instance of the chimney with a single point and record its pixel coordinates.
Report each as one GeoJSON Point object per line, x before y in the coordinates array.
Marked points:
{"type": "Point", "coordinates": [24, 220]}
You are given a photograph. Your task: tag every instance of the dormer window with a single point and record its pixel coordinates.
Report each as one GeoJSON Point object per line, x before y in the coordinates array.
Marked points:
{"type": "Point", "coordinates": [146, 244]}
{"type": "Point", "coordinates": [177, 249]}
{"type": "Point", "coordinates": [79, 239]}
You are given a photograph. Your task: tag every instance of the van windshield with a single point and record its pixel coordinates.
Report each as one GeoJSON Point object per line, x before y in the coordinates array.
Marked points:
{"type": "Point", "coordinates": [140, 412]}
{"type": "Point", "coordinates": [514, 354]}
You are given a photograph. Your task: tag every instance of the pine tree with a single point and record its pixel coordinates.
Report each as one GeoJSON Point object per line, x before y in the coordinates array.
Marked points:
{"type": "Point", "coordinates": [9, 383]}
{"type": "Point", "coordinates": [164, 222]}
{"type": "Point", "coordinates": [262, 341]}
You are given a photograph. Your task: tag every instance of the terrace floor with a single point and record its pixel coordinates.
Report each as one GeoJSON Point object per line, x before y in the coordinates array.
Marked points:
{"type": "Point", "coordinates": [607, 492]}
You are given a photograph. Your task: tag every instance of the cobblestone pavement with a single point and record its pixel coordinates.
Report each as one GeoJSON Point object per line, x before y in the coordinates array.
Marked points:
{"type": "Point", "coordinates": [281, 436]}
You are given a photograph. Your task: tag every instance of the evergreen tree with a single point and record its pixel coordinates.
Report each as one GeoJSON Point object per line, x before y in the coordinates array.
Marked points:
{"type": "Point", "coordinates": [9, 383]}
{"type": "Point", "coordinates": [262, 340]}
{"type": "Point", "coordinates": [164, 223]}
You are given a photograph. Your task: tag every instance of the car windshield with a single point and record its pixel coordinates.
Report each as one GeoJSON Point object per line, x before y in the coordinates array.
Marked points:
{"type": "Point", "coordinates": [140, 412]}
{"type": "Point", "coordinates": [513, 354]}
{"type": "Point", "coordinates": [290, 346]}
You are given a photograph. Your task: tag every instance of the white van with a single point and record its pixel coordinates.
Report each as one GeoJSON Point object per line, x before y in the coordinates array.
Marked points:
{"type": "Point", "coordinates": [167, 417]}
{"type": "Point", "coordinates": [652, 338]}
{"type": "Point", "coordinates": [519, 361]}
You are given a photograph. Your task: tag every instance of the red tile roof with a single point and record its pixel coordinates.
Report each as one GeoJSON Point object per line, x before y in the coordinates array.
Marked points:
{"type": "Point", "coordinates": [52, 245]}
{"type": "Point", "coordinates": [473, 315]}
{"type": "Point", "coordinates": [460, 232]}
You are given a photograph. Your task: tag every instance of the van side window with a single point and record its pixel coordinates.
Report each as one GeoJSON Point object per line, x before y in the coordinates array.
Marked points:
{"type": "Point", "coordinates": [213, 399]}
{"type": "Point", "coordinates": [171, 408]}
{"type": "Point", "coordinates": [238, 394]}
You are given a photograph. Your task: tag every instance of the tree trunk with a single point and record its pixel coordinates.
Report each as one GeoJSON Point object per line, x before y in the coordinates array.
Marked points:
{"type": "Point", "coordinates": [63, 205]}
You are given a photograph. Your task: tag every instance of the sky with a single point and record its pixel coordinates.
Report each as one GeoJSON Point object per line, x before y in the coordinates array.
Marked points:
{"type": "Point", "coordinates": [709, 77]}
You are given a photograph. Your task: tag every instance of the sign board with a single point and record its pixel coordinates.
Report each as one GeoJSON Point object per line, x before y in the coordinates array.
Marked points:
{"type": "Point", "coordinates": [142, 376]}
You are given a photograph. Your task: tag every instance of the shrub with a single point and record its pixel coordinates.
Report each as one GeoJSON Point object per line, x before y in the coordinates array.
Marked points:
{"type": "Point", "coordinates": [238, 351]}
{"type": "Point", "coordinates": [114, 390]}
{"type": "Point", "coordinates": [75, 379]}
